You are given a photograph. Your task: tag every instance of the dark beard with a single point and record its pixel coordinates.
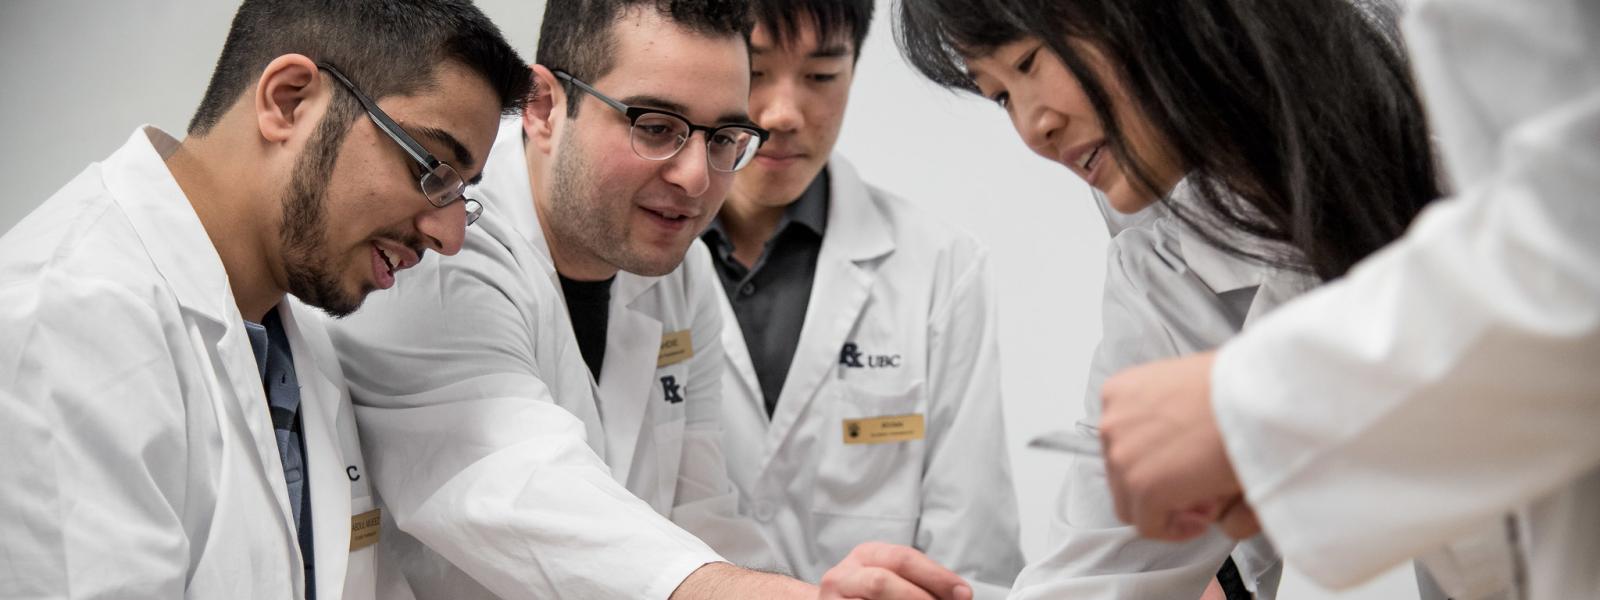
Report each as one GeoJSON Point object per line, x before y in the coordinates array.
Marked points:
{"type": "Point", "coordinates": [313, 276]}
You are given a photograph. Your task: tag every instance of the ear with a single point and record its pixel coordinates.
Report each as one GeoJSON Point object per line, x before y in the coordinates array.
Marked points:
{"type": "Point", "coordinates": [546, 107]}
{"type": "Point", "coordinates": [288, 97]}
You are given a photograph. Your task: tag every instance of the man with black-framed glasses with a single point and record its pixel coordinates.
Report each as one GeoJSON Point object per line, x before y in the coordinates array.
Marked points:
{"type": "Point", "coordinates": [547, 405]}
{"type": "Point", "coordinates": [176, 423]}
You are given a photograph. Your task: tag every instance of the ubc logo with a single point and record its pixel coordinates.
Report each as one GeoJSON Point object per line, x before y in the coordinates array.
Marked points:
{"type": "Point", "coordinates": [850, 357]}
{"type": "Point", "coordinates": [669, 390]}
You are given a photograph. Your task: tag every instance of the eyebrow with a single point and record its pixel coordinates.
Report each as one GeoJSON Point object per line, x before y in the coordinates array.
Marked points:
{"type": "Point", "coordinates": [463, 157]}
{"type": "Point", "coordinates": [830, 51]}
{"type": "Point", "coordinates": [657, 102]}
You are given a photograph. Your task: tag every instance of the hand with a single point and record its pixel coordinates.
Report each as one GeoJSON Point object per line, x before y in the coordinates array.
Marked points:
{"type": "Point", "coordinates": [890, 572]}
{"type": "Point", "coordinates": [1165, 461]}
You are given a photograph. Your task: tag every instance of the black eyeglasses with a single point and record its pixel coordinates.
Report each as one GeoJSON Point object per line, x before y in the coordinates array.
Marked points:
{"type": "Point", "coordinates": [659, 134]}
{"type": "Point", "coordinates": [440, 183]}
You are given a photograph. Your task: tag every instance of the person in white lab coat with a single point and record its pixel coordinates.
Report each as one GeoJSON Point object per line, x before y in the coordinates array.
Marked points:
{"type": "Point", "coordinates": [1134, 105]}
{"type": "Point", "coordinates": [849, 310]}
{"type": "Point", "coordinates": [176, 422]}
{"type": "Point", "coordinates": [1447, 385]}
{"type": "Point", "coordinates": [543, 413]}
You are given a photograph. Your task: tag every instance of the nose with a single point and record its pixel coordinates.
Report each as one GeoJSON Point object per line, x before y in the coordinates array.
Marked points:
{"type": "Point", "coordinates": [444, 229]}
{"type": "Point", "coordinates": [690, 168]}
{"type": "Point", "coordinates": [1039, 126]}
{"type": "Point", "coordinates": [776, 107]}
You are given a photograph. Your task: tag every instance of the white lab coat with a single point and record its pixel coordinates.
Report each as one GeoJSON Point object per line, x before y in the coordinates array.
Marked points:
{"type": "Point", "coordinates": [498, 450]}
{"type": "Point", "coordinates": [140, 459]}
{"type": "Point", "coordinates": [894, 283]}
{"type": "Point", "coordinates": [1167, 293]}
{"type": "Point", "coordinates": [1451, 378]}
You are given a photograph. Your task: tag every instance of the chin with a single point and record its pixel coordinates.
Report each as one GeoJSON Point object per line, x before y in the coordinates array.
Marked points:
{"type": "Point", "coordinates": [657, 261]}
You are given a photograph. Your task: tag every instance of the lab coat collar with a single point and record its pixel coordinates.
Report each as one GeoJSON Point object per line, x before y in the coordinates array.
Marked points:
{"type": "Point", "coordinates": [1220, 270]}
{"type": "Point", "coordinates": [506, 190]}
{"type": "Point", "coordinates": [857, 229]}
{"type": "Point", "coordinates": [141, 184]}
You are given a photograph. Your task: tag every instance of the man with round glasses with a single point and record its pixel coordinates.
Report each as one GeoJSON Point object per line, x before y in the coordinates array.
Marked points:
{"type": "Point", "coordinates": [543, 413]}
{"type": "Point", "coordinates": [176, 424]}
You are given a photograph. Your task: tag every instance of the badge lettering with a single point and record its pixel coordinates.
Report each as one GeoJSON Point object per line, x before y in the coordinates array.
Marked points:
{"type": "Point", "coordinates": [364, 529]}
{"type": "Point", "coordinates": [883, 430]}
{"type": "Point", "coordinates": [676, 347]}
{"type": "Point", "coordinates": [353, 473]}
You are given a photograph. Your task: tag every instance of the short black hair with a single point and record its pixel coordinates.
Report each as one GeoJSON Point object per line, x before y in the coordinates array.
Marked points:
{"type": "Point", "coordinates": [388, 47]}
{"type": "Point", "coordinates": [576, 34]}
{"type": "Point", "coordinates": [783, 19]}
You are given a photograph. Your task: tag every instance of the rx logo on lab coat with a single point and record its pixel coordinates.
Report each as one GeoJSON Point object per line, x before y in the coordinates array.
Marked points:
{"type": "Point", "coordinates": [669, 390]}
{"type": "Point", "coordinates": [851, 357]}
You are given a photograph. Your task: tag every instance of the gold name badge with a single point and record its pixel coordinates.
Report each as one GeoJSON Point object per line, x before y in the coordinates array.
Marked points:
{"type": "Point", "coordinates": [676, 347]}
{"type": "Point", "coordinates": [364, 529]}
{"type": "Point", "coordinates": [883, 430]}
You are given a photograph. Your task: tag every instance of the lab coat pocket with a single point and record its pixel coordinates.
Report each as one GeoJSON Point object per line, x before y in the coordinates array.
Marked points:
{"type": "Point", "coordinates": [867, 488]}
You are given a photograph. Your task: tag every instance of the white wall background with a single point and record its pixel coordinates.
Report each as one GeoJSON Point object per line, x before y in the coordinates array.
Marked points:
{"type": "Point", "coordinates": [81, 75]}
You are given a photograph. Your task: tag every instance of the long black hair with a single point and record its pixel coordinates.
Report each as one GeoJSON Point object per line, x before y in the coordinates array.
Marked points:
{"type": "Point", "coordinates": [1297, 123]}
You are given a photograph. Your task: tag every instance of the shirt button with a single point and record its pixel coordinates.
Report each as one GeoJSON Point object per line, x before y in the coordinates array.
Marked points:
{"type": "Point", "coordinates": [765, 511]}
{"type": "Point", "coordinates": [748, 289]}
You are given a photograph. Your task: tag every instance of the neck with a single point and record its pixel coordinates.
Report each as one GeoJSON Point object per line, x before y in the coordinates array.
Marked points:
{"type": "Point", "coordinates": [571, 261]}
{"type": "Point", "coordinates": [749, 225]}
{"type": "Point", "coordinates": [220, 192]}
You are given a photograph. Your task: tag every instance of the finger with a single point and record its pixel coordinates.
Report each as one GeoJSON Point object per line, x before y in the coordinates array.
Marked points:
{"type": "Point", "coordinates": [1115, 479]}
{"type": "Point", "coordinates": [1192, 522]}
{"type": "Point", "coordinates": [915, 568]}
{"type": "Point", "coordinates": [1240, 521]}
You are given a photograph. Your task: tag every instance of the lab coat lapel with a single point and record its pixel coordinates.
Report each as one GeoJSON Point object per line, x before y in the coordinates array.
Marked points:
{"type": "Point", "coordinates": [738, 354]}
{"type": "Point", "coordinates": [177, 243]}
{"type": "Point", "coordinates": [633, 343]}
{"type": "Point", "coordinates": [857, 235]}
{"type": "Point", "coordinates": [320, 396]}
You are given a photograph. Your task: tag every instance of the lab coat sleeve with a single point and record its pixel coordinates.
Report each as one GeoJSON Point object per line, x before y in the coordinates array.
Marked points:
{"type": "Point", "coordinates": [706, 503]}
{"type": "Point", "coordinates": [1092, 555]}
{"type": "Point", "coordinates": [472, 455]}
{"type": "Point", "coordinates": [94, 444]}
{"type": "Point", "coordinates": [969, 503]}
{"type": "Point", "coordinates": [1452, 376]}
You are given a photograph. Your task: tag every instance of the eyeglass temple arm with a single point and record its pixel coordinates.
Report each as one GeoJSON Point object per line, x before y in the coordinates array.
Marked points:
{"type": "Point", "coordinates": [382, 120]}
{"type": "Point", "coordinates": [567, 77]}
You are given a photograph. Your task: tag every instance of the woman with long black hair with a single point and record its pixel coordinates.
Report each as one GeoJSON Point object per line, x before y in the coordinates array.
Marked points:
{"type": "Point", "coordinates": [1271, 145]}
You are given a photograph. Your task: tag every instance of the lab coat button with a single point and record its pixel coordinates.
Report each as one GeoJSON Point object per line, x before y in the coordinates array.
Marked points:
{"type": "Point", "coordinates": [765, 511]}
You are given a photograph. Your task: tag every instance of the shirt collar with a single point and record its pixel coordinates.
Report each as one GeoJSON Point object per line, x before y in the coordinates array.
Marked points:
{"type": "Point", "coordinates": [810, 210]}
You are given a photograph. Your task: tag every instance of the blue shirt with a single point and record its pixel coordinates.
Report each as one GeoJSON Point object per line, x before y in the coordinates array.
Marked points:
{"type": "Point", "coordinates": [276, 363]}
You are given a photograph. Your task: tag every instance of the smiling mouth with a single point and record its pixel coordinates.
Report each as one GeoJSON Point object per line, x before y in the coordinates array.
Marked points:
{"type": "Point", "coordinates": [388, 259]}
{"type": "Point", "coordinates": [1088, 161]}
{"type": "Point", "coordinates": [668, 214]}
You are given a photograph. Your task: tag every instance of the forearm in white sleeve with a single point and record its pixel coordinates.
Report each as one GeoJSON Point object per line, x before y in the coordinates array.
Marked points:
{"type": "Point", "coordinates": [1444, 381]}
{"type": "Point", "coordinates": [472, 454]}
